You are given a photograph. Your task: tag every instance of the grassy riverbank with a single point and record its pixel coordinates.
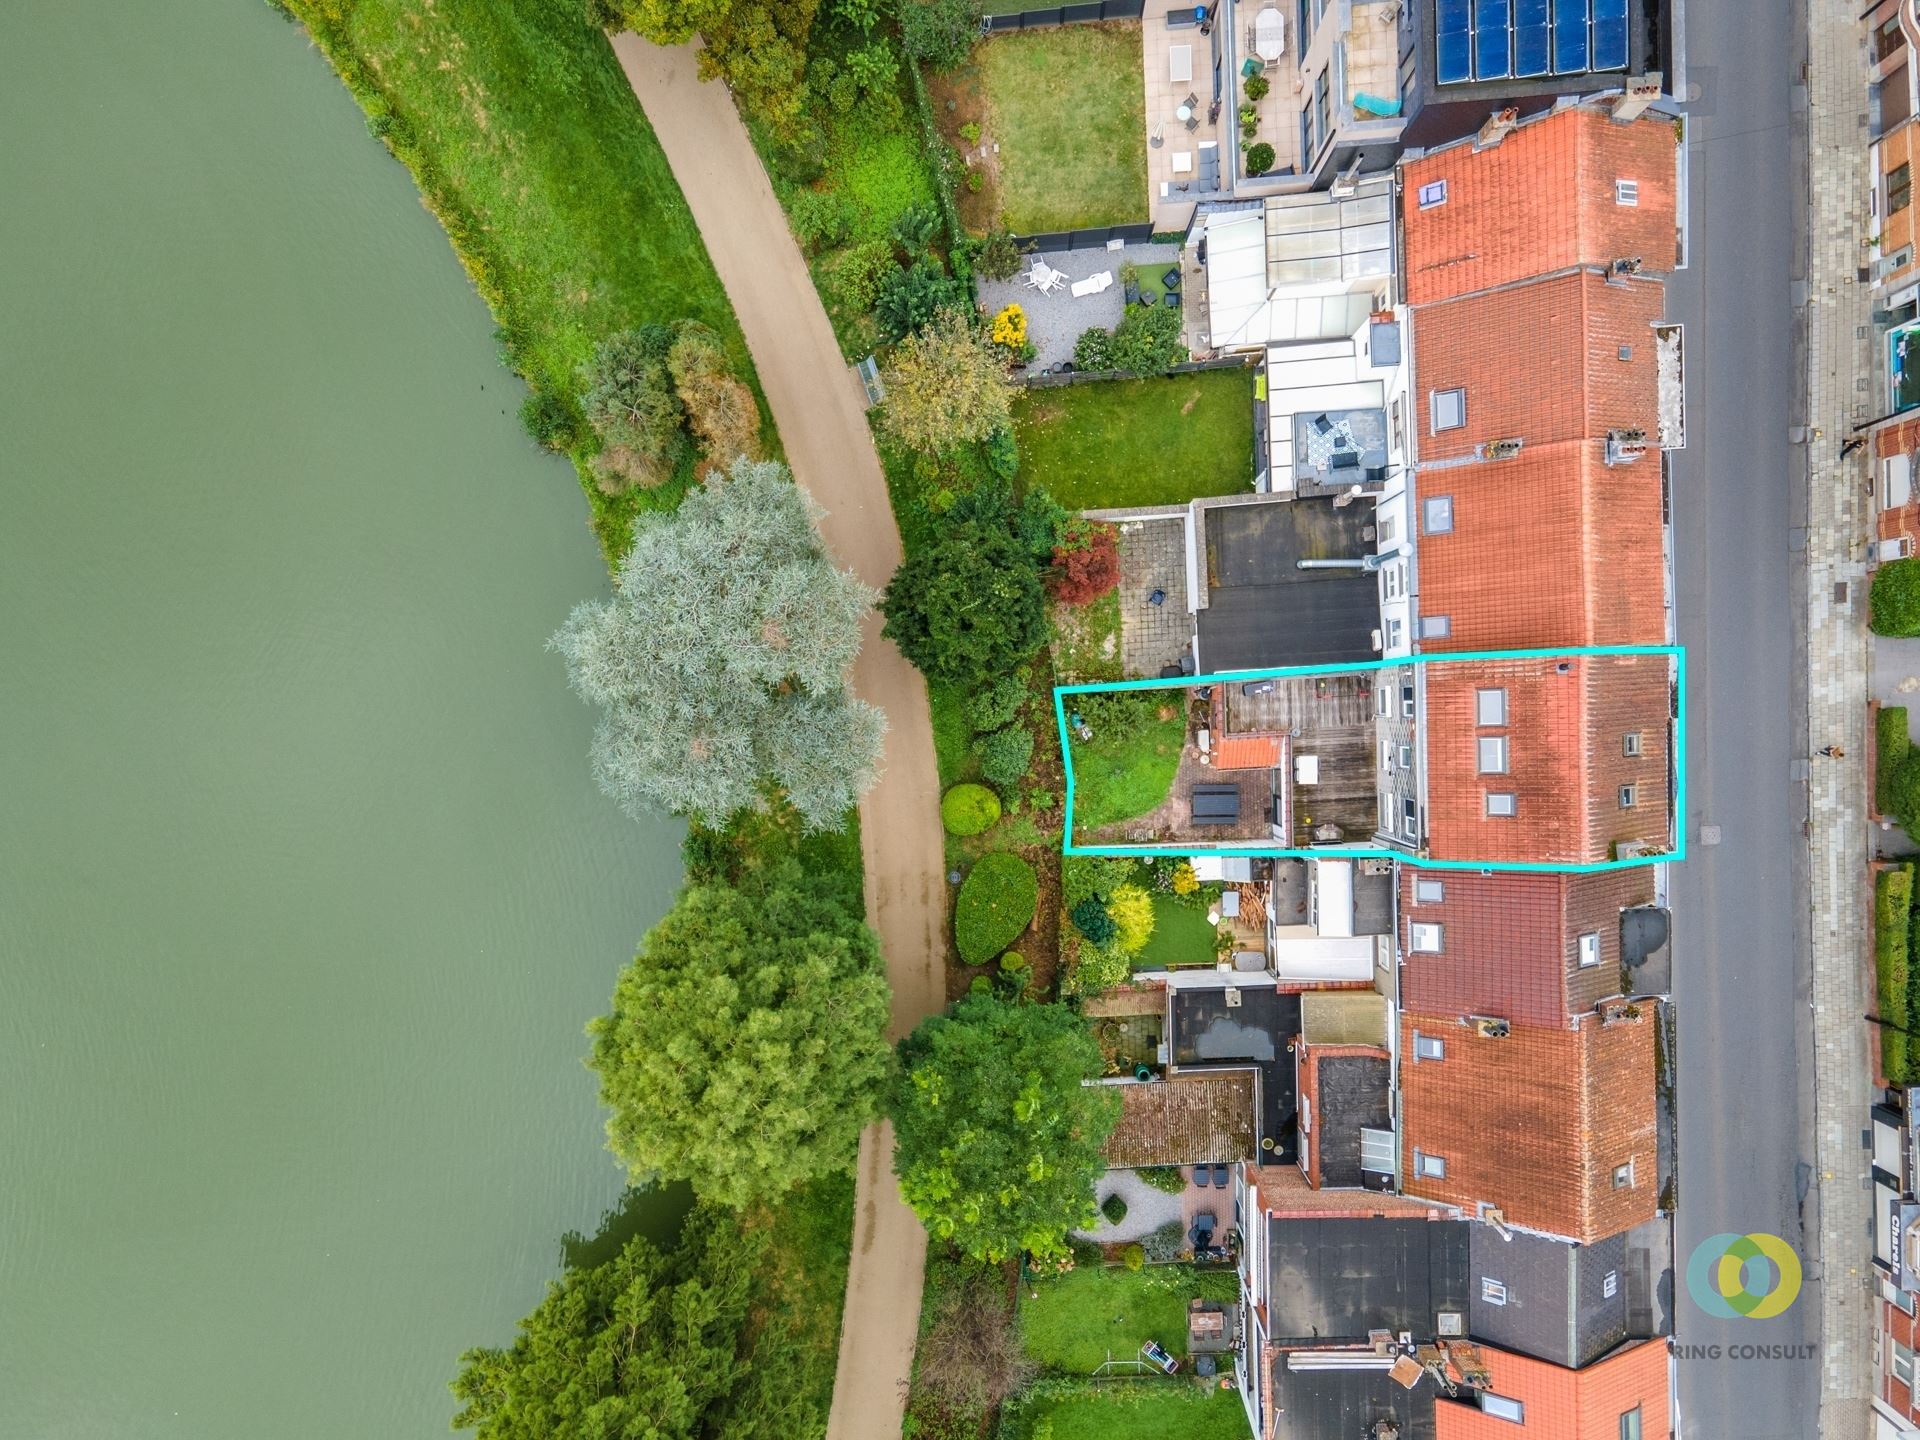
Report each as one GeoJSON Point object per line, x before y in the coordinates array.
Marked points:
{"type": "Point", "coordinates": [526, 141]}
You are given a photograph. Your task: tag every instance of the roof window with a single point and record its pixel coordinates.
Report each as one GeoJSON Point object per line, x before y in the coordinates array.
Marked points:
{"type": "Point", "coordinates": [1433, 193]}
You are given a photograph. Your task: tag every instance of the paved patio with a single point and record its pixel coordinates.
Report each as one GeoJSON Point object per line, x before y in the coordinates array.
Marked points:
{"type": "Point", "coordinates": [1176, 148]}
{"type": "Point", "coordinates": [1055, 321]}
{"type": "Point", "coordinates": [1153, 557]}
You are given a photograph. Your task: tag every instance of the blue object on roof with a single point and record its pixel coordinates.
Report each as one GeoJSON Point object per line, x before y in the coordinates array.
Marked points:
{"type": "Point", "coordinates": [1374, 105]}
{"type": "Point", "coordinates": [1498, 39]}
{"type": "Point", "coordinates": [1532, 37]}
{"type": "Point", "coordinates": [1492, 39]}
{"type": "Point", "coordinates": [1609, 34]}
{"type": "Point", "coordinates": [1453, 41]}
{"type": "Point", "coordinates": [1569, 36]}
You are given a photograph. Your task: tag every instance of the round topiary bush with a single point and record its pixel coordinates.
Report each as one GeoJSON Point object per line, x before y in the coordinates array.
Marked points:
{"type": "Point", "coordinates": [1134, 1256]}
{"type": "Point", "coordinates": [1114, 1208]}
{"type": "Point", "coordinates": [968, 809]}
{"type": "Point", "coordinates": [1259, 158]}
{"type": "Point", "coordinates": [1894, 602]}
{"type": "Point", "coordinates": [995, 905]}
{"type": "Point", "coordinates": [1005, 754]}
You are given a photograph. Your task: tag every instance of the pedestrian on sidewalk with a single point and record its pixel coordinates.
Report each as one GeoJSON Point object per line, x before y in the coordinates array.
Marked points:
{"type": "Point", "coordinates": [1832, 752]}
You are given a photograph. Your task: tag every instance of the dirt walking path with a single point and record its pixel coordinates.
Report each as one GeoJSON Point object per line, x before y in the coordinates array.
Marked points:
{"type": "Point", "coordinates": [819, 408]}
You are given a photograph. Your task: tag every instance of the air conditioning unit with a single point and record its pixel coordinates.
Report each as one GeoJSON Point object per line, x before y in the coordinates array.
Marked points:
{"type": "Point", "coordinates": [1626, 265]}
{"type": "Point", "coordinates": [1501, 449]}
{"type": "Point", "coordinates": [1488, 1028]}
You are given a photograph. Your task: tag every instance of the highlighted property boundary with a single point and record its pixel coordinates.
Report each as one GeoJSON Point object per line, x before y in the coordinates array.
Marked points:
{"type": "Point", "coordinates": [1677, 819]}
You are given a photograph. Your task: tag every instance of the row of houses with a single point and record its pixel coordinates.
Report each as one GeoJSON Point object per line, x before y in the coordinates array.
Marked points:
{"type": "Point", "coordinates": [1438, 1087]}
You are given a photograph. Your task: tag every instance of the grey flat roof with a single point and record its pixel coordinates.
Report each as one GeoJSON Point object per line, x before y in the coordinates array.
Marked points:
{"type": "Point", "coordinates": [1261, 610]}
{"type": "Point", "coordinates": [1337, 1278]}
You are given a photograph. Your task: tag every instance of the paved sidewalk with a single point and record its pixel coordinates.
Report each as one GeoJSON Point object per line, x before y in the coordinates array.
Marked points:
{"type": "Point", "coordinates": [1839, 519]}
{"type": "Point", "coordinates": [820, 411]}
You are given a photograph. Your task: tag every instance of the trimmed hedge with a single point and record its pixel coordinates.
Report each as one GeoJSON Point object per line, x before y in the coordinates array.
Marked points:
{"type": "Point", "coordinates": [1892, 915]}
{"type": "Point", "coordinates": [1170, 1178]}
{"type": "Point", "coordinates": [1893, 605]}
{"type": "Point", "coordinates": [1114, 1207]}
{"type": "Point", "coordinates": [995, 906]}
{"type": "Point", "coordinates": [1889, 753]}
{"type": "Point", "coordinates": [968, 809]}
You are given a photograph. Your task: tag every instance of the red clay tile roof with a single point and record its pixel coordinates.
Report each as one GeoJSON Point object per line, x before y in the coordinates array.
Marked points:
{"type": "Point", "coordinates": [1540, 362]}
{"type": "Point", "coordinates": [1535, 1122]}
{"type": "Point", "coordinates": [1183, 1121]}
{"type": "Point", "coordinates": [1566, 760]}
{"type": "Point", "coordinates": [1253, 751]}
{"type": "Point", "coordinates": [1541, 200]}
{"type": "Point", "coordinates": [1510, 942]}
{"type": "Point", "coordinates": [1553, 547]}
{"type": "Point", "coordinates": [1283, 1192]}
{"type": "Point", "coordinates": [1561, 1404]}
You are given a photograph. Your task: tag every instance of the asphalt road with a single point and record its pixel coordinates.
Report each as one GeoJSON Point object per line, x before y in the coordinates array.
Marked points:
{"type": "Point", "coordinates": [1741, 907]}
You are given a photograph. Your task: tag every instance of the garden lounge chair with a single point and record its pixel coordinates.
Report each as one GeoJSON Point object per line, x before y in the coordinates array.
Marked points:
{"type": "Point", "coordinates": [1200, 1176]}
{"type": "Point", "coordinates": [1220, 1176]}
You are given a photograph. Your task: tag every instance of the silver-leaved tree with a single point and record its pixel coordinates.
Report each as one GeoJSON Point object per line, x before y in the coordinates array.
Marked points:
{"type": "Point", "coordinates": [719, 663]}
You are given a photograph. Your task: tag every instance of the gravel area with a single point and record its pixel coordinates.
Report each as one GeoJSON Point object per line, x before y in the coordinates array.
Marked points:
{"type": "Point", "coordinates": [1055, 321]}
{"type": "Point", "coordinates": [1147, 1209]}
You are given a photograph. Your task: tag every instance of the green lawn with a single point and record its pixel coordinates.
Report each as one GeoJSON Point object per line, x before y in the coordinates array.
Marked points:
{"type": "Point", "coordinates": [1181, 936]}
{"type": "Point", "coordinates": [1067, 107]}
{"type": "Point", "coordinates": [527, 142]}
{"type": "Point", "coordinates": [1071, 1323]}
{"type": "Point", "coordinates": [1120, 778]}
{"type": "Point", "coordinates": [1132, 1410]}
{"type": "Point", "coordinates": [1086, 640]}
{"type": "Point", "coordinates": [1122, 443]}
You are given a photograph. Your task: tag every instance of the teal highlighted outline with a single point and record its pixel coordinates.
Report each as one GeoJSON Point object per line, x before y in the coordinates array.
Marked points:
{"type": "Point", "coordinates": [1677, 814]}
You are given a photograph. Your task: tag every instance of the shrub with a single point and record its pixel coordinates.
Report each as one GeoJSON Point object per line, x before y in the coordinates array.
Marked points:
{"type": "Point", "coordinates": [1010, 326]}
{"type": "Point", "coordinates": [1114, 1207]}
{"type": "Point", "coordinates": [1892, 914]}
{"type": "Point", "coordinates": [1185, 882]}
{"type": "Point", "coordinates": [975, 180]}
{"type": "Point", "coordinates": [1003, 452]}
{"type": "Point", "coordinates": [999, 257]}
{"type": "Point", "coordinates": [1005, 754]}
{"type": "Point", "coordinates": [1131, 910]}
{"type": "Point", "coordinates": [968, 809]}
{"type": "Point", "coordinates": [1086, 564]}
{"type": "Point", "coordinates": [910, 298]}
{"type": "Point", "coordinates": [720, 410]}
{"type": "Point", "coordinates": [914, 231]}
{"type": "Point", "coordinates": [862, 274]}
{"type": "Point", "coordinates": [1894, 602]}
{"type": "Point", "coordinates": [1133, 1257]}
{"type": "Point", "coordinates": [1100, 967]}
{"type": "Point", "coordinates": [550, 421]}
{"type": "Point", "coordinates": [1168, 1243]}
{"type": "Point", "coordinates": [1115, 716]}
{"type": "Point", "coordinates": [822, 219]}
{"type": "Point", "coordinates": [1147, 341]}
{"type": "Point", "coordinates": [1091, 919]}
{"type": "Point", "coordinates": [1169, 1178]}
{"type": "Point", "coordinates": [1257, 87]}
{"type": "Point", "coordinates": [996, 704]}
{"type": "Point", "coordinates": [1094, 349]}
{"type": "Point", "coordinates": [940, 32]}
{"type": "Point", "coordinates": [995, 905]}
{"type": "Point", "coordinates": [1906, 792]}
{"type": "Point", "coordinates": [1259, 158]}
{"type": "Point", "coordinates": [970, 132]}
{"type": "Point", "coordinates": [1890, 751]}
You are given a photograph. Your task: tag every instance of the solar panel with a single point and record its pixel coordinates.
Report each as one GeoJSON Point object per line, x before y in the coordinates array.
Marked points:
{"type": "Point", "coordinates": [1569, 36]}
{"type": "Point", "coordinates": [1453, 45]}
{"type": "Point", "coordinates": [1609, 34]}
{"type": "Point", "coordinates": [1492, 34]}
{"type": "Point", "coordinates": [1530, 37]}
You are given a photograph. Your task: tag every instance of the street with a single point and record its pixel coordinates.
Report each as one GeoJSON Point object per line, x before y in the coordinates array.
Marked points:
{"type": "Point", "coordinates": [1740, 906]}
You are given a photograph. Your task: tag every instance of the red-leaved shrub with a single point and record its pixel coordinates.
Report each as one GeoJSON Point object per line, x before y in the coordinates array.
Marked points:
{"type": "Point", "coordinates": [1086, 564]}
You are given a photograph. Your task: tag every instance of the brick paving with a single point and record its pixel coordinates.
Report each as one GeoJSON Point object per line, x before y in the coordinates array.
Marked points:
{"type": "Point", "coordinates": [1153, 556]}
{"type": "Point", "coordinates": [1839, 522]}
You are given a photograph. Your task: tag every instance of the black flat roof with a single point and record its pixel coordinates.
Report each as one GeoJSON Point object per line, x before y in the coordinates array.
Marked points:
{"type": "Point", "coordinates": [1208, 1031]}
{"type": "Point", "coordinates": [1328, 1404]}
{"type": "Point", "coordinates": [1338, 1278]}
{"type": "Point", "coordinates": [1353, 1097]}
{"type": "Point", "coordinates": [1261, 610]}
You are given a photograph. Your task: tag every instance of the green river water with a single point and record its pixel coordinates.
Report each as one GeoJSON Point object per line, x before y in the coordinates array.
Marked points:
{"type": "Point", "coordinates": [305, 892]}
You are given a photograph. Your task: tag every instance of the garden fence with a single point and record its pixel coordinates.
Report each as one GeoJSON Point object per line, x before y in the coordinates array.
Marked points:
{"type": "Point", "coordinates": [938, 155]}
{"type": "Point", "coordinates": [1190, 367]}
{"type": "Point", "coordinates": [1054, 240]}
{"type": "Point", "coordinates": [1040, 16]}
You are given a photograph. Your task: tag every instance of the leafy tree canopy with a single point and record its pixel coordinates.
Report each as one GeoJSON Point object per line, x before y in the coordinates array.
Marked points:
{"type": "Point", "coordinates": [1894, 600]}
{"type": "Point", "coordinates": [646, 1345]}
{"type": "Point", "coordinates": [998, 1142]}
{"type": "Point", "coordinates": [946, 386]}
{"type": "Point", "coordinates": [911, 299]}
{"type": "Point", "coordinates": [940, 32]}
{"type": "Point", "coordinates": [759, 47]}
{"type": "Point", "coordinates": [718, 662]}
{"type": "Point", "coordinates": [747, 1044]}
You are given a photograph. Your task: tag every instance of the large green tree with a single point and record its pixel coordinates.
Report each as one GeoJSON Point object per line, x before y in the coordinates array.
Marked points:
{"type": "Point", "coordinates": [645, 1345]}
{"type": "Point", "coordinates": [747, 1045]}
{"type": "Point", "coordinates": [969, 607]}
{"type": "Point", "coordinates": [998, 1140]}
{"type": "Point", "coordinates": [719, 662]}
{"type": "Point", "coordinates": [946, 386]}
{"type": "Point", "coordinates": [759, 47]}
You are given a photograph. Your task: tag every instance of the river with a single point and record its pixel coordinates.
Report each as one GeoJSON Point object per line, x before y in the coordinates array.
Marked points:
{"type": "Point", "coordinates": [305, 892]}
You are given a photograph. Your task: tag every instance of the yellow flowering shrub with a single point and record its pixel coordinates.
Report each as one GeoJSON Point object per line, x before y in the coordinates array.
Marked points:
{"type": "Point", "coordinates": [1010, 327]}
